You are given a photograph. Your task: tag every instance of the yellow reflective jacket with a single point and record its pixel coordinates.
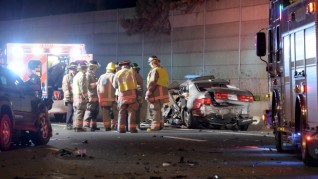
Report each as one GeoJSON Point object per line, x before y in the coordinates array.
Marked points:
{"type": "Point", "coordinates": [126, 80]}
{"type": "Point", "coordinates": [163, 79]}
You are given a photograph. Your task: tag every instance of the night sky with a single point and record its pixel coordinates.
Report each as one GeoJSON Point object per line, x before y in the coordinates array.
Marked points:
{"type": "Point", "coordinates": [19, 9]}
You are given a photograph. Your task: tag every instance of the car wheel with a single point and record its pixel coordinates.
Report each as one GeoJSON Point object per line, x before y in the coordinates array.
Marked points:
{"type": "Point", "coordinates": [44, 134]}
{"type": "Point", "coordinates": [5, 132]}
{"type": "Point", "coordinates": [188, 119]}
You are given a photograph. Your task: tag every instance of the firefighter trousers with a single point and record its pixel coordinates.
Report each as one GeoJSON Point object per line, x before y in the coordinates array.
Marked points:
{"type": "Point", "coordinates": [157, 118]}
{"type": "Point", "coordinates": [125, 109]}
{"type": "Point", "coordinates": [109, 122]}
{"type": "Point", "coordinates": [91, 113]}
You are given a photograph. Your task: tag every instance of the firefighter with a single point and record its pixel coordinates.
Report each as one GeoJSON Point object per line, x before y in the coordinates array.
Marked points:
{"type": "Point", "coordinates": [157, 91]}
{"type": "Point", "coordinates": [126, 84]}
{"type": "Point", "coordinates": [92, 109]}
{"type": "Point", "coordinates": [80, 97]}
{"type": "Point", "coordinates": [107, 98]}
{"type": "Point", "coordinates": [139, 80]}
{"type": "Point", "coordinates": [67, 84]}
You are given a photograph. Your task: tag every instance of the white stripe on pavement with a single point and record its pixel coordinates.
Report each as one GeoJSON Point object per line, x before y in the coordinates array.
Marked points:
{"type": "Point", "coordinates": [182, 138]}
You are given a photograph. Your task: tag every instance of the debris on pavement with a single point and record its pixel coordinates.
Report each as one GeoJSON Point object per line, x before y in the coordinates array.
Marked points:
{"type": "Point", "coordinates": [73, 153]}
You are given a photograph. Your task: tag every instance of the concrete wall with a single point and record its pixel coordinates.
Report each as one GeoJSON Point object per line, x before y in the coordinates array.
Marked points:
{"type": "Point", "coordinates": [217, 37]}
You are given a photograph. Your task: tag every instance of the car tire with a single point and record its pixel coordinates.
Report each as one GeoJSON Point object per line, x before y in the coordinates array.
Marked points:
{"type": "Point", "coordinates": [188, 119]}
{"type": "Point", "coordinates": [44, 134]}
{"type": "Point", "coordinates": [5, 132]}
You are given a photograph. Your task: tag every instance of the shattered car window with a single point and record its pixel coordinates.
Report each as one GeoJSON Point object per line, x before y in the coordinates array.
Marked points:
{"type": "Point", "coordinates": [207, 85]}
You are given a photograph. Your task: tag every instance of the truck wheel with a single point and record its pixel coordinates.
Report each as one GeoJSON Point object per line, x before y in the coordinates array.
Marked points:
{"type": "Point", "coordinates": [188, 119]}
{"type": "Point", "coordinates": [5, 132]}
{"type": "Point", "coordinates": [44, 134]}
{"type": "Point", "coordinates": [278, 141]}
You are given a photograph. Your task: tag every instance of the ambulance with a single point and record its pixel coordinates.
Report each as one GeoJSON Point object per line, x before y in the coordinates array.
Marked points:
{"type": "Point", "coordinates": [50, 62]}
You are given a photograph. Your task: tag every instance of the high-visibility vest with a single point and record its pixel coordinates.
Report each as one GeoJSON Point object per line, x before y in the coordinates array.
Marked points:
{"type": "Point", "coordinates": [80, 84]}
{"type": "Point", "coordinates": [105, 89]}
{"type": "Point", "coordinates": [92, 91]}
{"type": "Point", "coordinates": [163, 79]}
{"type": "Point", "coordinates": [126, 80]}
{"type": "Point", "coordinates": [67, 84]}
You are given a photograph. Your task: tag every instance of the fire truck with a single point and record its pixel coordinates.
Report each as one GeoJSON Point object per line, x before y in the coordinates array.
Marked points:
{"type": "Point", "coordinates": [49, 61]}
{"type": "Point", "coordinates": [293, 77]}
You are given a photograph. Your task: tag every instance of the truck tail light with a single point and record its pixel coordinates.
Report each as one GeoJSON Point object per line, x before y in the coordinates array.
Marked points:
{"type": "Point", "coordinates": [219, 95]}
{"type": "Point", "coordinates": [246, 98]}
{"type": "Point", "coordinates": [197, 103]}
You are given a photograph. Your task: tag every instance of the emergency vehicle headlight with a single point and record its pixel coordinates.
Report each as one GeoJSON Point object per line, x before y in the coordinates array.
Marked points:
{"type": "Point", "coordinates": [17, 67]}
{"type": "Point", "coordinates": [17, 51]}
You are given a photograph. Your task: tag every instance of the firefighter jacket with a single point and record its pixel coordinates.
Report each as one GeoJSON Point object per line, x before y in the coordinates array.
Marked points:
{"type": "Point", "coordinates": [125, 82]}
{"type": "Point", "coordinates": [67, 85]}
{"type": "Point", "coordinates": [92, 86]}
{"type": "Point", "coordinates": [139, 86]}
{"type": "Point", "coordinates": [105, 89]}
{"type": "Point", "coordinates": [157, 84]}
{"type": "Point", "coordinates": [79, 89]}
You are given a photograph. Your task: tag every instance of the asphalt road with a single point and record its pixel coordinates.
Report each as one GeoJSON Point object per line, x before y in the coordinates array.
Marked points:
{"type": "Point", "coordinates": [170, 153]}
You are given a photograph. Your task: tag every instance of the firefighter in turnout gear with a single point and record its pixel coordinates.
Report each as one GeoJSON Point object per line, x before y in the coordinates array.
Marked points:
{"type": "Point", "coordinates": [157, 91]}
{"type": "Point", "coordinates": [90, 117]}
{"type": "Point", "coordinates": [80, 97]}
{"type": "Point", "coordinates": [107, 98]}
{"type": "Point", "coordinates": [67, 85]}
{"type": "Point", "coordinates": [126, 84]}
{"type": "Point", "coordinates": [140, 99]}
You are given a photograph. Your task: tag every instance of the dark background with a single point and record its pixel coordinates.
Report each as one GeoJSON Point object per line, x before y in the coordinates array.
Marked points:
{"type": "Point", "coordinates": [19, 9]}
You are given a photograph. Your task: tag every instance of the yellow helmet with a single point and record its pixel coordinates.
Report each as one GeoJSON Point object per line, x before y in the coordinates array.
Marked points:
{"type": "Point", "coordinates": [111, 66]}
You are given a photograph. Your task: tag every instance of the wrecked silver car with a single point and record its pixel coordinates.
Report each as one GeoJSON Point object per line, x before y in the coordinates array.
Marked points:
{"type": "Point", "coordinates": [208, 102]}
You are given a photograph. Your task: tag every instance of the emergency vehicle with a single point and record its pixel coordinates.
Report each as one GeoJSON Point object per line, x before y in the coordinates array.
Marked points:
{"type": "Point", "coordinates": [50, 62]}
{"type": "Point", "coordinates": [293, 78]}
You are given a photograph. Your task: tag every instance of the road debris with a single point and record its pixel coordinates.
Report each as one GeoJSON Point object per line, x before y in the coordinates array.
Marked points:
{"type": "Point", "coordinates": [73, 153]}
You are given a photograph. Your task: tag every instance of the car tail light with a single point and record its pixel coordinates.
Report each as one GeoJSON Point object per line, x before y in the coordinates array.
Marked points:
{"type": "Point", "coordinates": [219, 95]}
{"type": "Point", "coordinates": [246, 98]}
{"type": "Point", "coordinates": [197, 103]}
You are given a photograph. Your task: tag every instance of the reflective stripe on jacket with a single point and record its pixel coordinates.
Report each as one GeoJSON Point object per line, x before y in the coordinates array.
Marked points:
{"type": "Point", "coordinates": [163, 79]}
{"type": "Point", "coordinates": [80, 84]}
{"type": "Point", "coordinates": [126, 80]}
{"type": "Point", "coordinates": [67, 84]}
{"type": "Point", "coordinates": [158, 86]}
{"type": "Point", "coordinates": [105, 89]}
{"type": "Point", "coordinates": [92, 90]}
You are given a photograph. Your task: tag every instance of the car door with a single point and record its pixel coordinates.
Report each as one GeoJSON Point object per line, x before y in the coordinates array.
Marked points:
{"type": "Point", "coordinates": [8, 93]}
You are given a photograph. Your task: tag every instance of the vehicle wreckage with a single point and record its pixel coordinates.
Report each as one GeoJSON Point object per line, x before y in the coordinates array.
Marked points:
{"type": "Point", "coordinates": [203, 101]}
